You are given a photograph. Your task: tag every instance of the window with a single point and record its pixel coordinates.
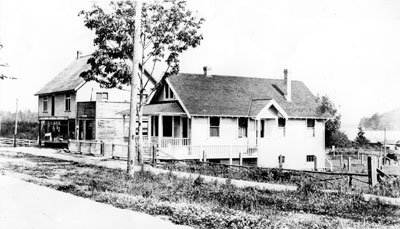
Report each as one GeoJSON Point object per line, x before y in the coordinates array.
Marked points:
{"type": "Point", "coordinates": [310, 123]}
{"type": "Point", "coordinates": [67, 102]}
{"type": "Point", "coordinates": [45, 106]}
{"type": "Point", "coordinates": [214, 126]}
{"type": "Point", "coordinates": [310, 158]}
{"type": "Point", "coordinates": [281, 122]}
{"type": "Point", "coordinates": [169, 94]}
{"type": "Point", "coordinates": [311, 127]}
{"type": "Point", "coordinates": [282, 126]}
{"type": "Point", "coordinates": [262, 128]}
{"type": "Point", "coordinates": [242, 127]}
{"type": "Point", "coordinates": [101, 96]}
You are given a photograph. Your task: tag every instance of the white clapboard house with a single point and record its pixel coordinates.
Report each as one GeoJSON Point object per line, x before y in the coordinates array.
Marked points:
{"type": "Point", "coordinates": [266, 122]}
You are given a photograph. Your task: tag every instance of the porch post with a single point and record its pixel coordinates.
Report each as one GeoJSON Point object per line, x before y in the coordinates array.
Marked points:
{"type": "Point", "coordinates": [149, 127]}
{"type": "Point", "coordinates": [258, 131]}
{"type": "Point", "coordinates": [40, 133]}
{"type": "Point", "coordinates": [84, 130]}
{"type": "Point", "coordinates": [160, 129]}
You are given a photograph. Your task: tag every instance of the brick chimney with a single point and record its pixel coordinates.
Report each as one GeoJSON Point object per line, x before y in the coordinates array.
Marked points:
{"type": "Point", "coordinates": [288, 83]}
{"type": "Point", "coordinates": [207, 71]}
{"type": "Point", "coordinates": [78, 54]}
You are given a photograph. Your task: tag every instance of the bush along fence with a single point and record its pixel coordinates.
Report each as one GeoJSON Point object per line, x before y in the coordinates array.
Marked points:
{"type": "Point", "coordinates": [346, 180]}
{"type": "Point", "coordinates": [323, 179]}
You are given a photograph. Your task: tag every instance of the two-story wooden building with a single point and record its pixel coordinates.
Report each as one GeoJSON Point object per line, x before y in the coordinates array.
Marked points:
{"type": "Point", "coordinates": [71, 108]}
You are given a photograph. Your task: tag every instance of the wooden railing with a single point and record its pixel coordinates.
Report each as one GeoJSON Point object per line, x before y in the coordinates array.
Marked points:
{"type": "Point", "coordinates": [211, 151]}
{"type": "Point", "coordinates": [172, 142]}
{"type": "Point", "coordinates": [99, 148]}
{"type": "Point", "coordinates": [20, 142]}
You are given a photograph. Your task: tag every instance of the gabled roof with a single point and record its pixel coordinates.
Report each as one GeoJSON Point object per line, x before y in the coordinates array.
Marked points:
{"type": "Point", "coordinates": [232, 96]}
{"type": "Point", "coordinates": [68, 79]}
{"type": "Point", "coordinates": [159, 108]}
{"type": "Point", "coordinates": [257, 105]}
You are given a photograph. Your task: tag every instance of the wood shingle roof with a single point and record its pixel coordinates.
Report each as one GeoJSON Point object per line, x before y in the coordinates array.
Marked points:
{"type": "Point", "coordinates": [233, 96]}
{"type": "Point", "coordinates": [68, 79]}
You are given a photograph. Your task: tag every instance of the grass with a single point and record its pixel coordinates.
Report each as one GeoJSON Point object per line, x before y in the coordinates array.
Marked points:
{"type": "Point", "coordinates": [193, 202]}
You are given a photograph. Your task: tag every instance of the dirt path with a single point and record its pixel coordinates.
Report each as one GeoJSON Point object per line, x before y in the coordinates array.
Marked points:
{"type": "Point", "coordinates": [26, 205]}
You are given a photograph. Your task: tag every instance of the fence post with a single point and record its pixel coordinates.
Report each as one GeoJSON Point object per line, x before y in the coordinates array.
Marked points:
{"type": "Point", "coordinates": [102, 148]}
{"type": "Point", "coordinates": [240, 159]}
{"type": "Point", "coordinates": [154, 156]}
{"type": "Point", "coordinates": [315, 163]}
{"type": "Point", "coordinates": [341, 162]}
{"type": "Point", "coordinates": [204, 156]}
{"type": "Point", "coordinates": [372, 174]}
{"type": "Point", "coordinates": [350, 181]}
{"type": "Point", "coordinates": [362, 159]}
{"type": "Point", "coordinates": [112, 150]}
{"type": "Point", "coordinates": [230, 154]}
{"type": "Point", "coordinates": [380, 162]}
{"type": "Point", "coordinates": [349, 163]}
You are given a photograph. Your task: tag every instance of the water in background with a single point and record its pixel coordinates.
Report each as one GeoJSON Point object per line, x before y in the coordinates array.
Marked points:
{"type": "Point", "coordinates": [374, 135]}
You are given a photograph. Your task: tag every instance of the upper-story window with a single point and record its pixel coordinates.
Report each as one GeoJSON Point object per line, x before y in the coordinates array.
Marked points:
{"type": "Point", "coordinates": [282, 126]}
{"type": "Point", "coordinates": [67, 102]}
{"type": "Point", "coordinates": [45, 104]}
{"type": "Point", "coordinates": [169, 94]}
{"type": "Point", "coordinates": [311, 127]}
{"type": "Point", "coordinates": [214, 126]}
{"type": "Point", "coordinates": [101, 96]}
{"type": "Point", "coordinates": [242, 123]}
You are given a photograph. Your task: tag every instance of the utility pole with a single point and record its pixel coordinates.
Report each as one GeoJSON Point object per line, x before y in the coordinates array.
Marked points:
{"type": "Point", "coordinates": [132, 157]}
{"type": "Point", "coordinates": [16, 124]}
{"type": "Point", "coordinates": [384, 142]}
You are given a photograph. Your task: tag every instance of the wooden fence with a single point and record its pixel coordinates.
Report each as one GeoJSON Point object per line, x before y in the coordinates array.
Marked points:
{"type": "Point", "coordinates": [19, 142]}
{"type": "Point", "coordinates": [100, 148]}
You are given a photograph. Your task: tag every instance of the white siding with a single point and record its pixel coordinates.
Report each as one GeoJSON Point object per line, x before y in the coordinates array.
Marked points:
{"type": "Point", "coordinates": [88, 93]}
{"type": "Point", "coordinates": [295, 146]}
{"type": "Point", "coordinates": [228, 132]}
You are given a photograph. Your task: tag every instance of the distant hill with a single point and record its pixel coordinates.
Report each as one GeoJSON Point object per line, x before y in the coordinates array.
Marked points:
{"type": "Point", "coordinates": [390, 120]}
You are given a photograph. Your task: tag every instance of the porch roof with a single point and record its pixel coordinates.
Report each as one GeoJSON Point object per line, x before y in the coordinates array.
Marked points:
{"type": "Point", "coordinates": [172, 108]}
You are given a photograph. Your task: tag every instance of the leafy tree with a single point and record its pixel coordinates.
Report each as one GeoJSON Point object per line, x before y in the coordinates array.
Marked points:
{"type": "Point", "coordinates": [168, 29]}
{"type": "Point", "coordinates": [333, 135]}
{"type": "Point", "coordinates": [2, 76]}
{"type": "Point", "coordinates": [361, 140]}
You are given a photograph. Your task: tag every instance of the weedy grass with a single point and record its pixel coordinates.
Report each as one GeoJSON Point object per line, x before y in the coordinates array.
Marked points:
{"type": "Point", "coordinates": [213, 205]}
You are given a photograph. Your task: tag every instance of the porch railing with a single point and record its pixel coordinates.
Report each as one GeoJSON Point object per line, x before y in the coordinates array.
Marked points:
{"type": "Point", "coordinates": [173, 142]}
{"type": "Point", "coordinates": [211, 151]}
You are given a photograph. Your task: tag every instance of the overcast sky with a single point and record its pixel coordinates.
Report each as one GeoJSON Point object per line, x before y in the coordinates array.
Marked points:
{"type": "Point", "coordinates": [348, 50]}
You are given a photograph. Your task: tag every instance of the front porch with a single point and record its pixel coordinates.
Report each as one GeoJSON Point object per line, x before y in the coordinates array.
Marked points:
{"type": "Point", "coordinates": [176, 135]}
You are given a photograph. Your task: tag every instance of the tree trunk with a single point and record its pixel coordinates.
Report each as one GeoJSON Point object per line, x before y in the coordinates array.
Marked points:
{"type": "Point", "coordinates": [134, 90]}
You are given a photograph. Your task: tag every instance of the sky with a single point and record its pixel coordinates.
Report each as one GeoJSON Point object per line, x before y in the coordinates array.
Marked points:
{"type": "Point", "coordinates": [348, 50]}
